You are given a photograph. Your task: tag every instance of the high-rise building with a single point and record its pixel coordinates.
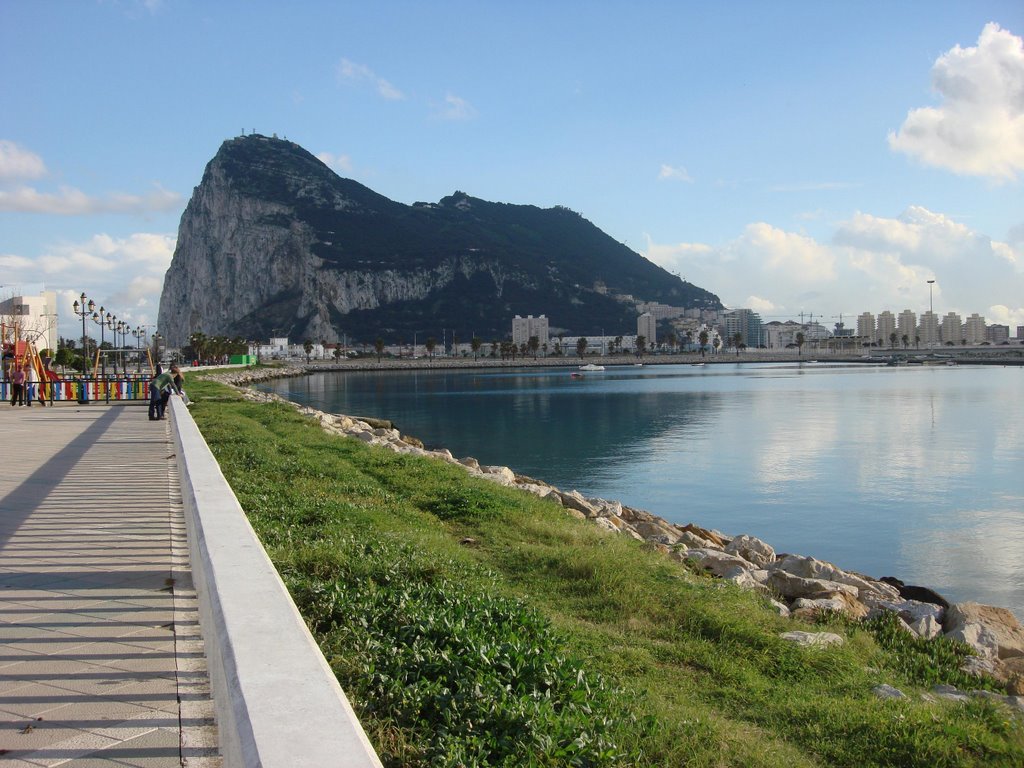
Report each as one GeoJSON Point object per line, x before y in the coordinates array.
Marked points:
{"type": "Point", "coordinates": [525, 327]}
{"type": "Point", "coordinates": [928, 330]}
{"type": "Point", "coordinates": [886, 328]}
{"type": "Point", "coordinates": [952, 331]}
{"type": "Point", "coordinates": [647, 327]}
{"type": "Point", "coordinates": [866, 327]}
{"type": "Point", "coordinates": [747, 323]}
{"type": "Point", "coordinates": [906, 326]}
{"type": "Point", "coordinates": [974, 329]}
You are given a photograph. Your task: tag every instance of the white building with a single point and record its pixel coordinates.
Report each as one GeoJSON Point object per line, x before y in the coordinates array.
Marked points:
{"type": "Point", "coordinates": [779, 335]}
{"type": "Point", "coordinates": [952, 330]}
{"type": "Point", "coordinates": [885, 328]}
{"type": "Point", "coordinates": [647, 327]}
{"type": "Point", "coordinates": [974, 329]}
{"type": "Point", "coordinates": [34, 318]}
{"type": "Point", "coordinates": [745, 322]}
{"type": "Point", "coordinates": [866, 327]}
{"type": "Point", "coordinates": [928, 329]}
{"type": "Point", "coordinates": [906, 326]}
{"type": "Point", "coordinates": [525, 327]}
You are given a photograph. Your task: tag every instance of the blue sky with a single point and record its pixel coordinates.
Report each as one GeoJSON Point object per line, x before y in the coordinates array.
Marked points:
{"type": "Point", "coordinates": [789, 156]}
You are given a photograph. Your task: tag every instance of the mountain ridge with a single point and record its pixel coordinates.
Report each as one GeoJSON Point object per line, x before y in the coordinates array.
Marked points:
{"type": "Point", "coordinates": [274, 243]}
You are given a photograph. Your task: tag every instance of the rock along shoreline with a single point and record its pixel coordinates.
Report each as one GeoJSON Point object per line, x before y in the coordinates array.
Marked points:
{"type": "Point", "coordinates": [797, 586]}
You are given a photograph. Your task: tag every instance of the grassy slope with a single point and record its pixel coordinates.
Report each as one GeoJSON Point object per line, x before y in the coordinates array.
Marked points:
{"type": "Point", "coordinates": [476, 625]}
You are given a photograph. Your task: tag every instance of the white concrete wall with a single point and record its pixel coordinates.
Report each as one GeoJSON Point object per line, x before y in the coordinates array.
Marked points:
{"type": "Point", "coordinates": [278, 703]}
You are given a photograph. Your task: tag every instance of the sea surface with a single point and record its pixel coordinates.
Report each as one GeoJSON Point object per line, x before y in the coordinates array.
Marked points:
{"type": "Point", "coordinates": [915, 472]}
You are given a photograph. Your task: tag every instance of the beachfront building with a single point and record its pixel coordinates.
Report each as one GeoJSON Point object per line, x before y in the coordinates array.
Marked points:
{"type": "Point", "coordinates": [525, 327]}
{"type": "Point", "coordinates": [952, 331]}
{"type": "Point", "coordinates": [747, 323]}
{"type": "Point", "coordinates": [781, 335]}
{"type": "Point", "coordinates": [31, 318]}
{"type": "Point", "coordinates": [997, 334]}
{"type": "Point", "coordinates": [906, 326]}
{"type": "Point", "coordinates": [866, 327]}
{"type": "Point", "coordinates": [974, 329]}
{"type": "Point", "coordinates": [885, 328]}
{"type": "Point", "coordinates": [928, 329]}
{"type": "Point", "coordinates": [647, 327]}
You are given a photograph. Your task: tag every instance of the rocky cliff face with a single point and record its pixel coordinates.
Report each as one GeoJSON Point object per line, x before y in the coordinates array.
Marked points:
{"type": "Point", "coordinates": [274, 243]}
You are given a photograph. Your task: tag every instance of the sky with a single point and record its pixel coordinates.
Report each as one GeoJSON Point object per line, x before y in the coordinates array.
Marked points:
{"type": "Point", "coordinates": [797, 158]}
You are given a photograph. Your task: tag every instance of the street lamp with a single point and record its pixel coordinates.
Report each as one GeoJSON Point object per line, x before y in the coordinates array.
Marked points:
{"type": "Point", "coordinates": [138, 333]}
{"type": "Point", "coordinates": [931, 311]}
{"type": "Point", "coordinates": [83, 308]}
{"type": "Point", "coordinates": [120, 347]}
{"type": "Point", "coordinates": [99, 319]}
{"type": "Point", "coordinates": [156, 342]}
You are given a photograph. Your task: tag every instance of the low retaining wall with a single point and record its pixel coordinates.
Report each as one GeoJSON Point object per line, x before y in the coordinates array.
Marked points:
{"type": "Point", "coordinates": [277, 701]}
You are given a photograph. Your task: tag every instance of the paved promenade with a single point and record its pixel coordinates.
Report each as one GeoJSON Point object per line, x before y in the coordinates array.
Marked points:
{"type": "Point", "coordinates": [101, 658]}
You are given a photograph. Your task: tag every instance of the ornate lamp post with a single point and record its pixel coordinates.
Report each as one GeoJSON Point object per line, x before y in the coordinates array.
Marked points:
{"type": "Point", "coordinates": [121, 330]}
{"type": "Point", "coordinates": [83, 308]}
{"type": "Point", "coordinates": [112, 325]}
{"type": "Point", "coordinates": [100, 320]}
{"type": "Point", "coordinates": [137, 333]}
{"type": "Point", "coordinates": [156, 342]}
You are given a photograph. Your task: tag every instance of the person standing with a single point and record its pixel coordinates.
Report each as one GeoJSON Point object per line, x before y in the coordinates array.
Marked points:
{"type": "Point", "coordinates": [17, 385]}
{"type": "Point", "coordinates": [159, 383]}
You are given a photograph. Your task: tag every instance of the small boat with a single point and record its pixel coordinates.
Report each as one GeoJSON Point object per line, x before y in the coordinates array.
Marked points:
{"type": "Point", "coordinates": [591, 367]}
{"type": "Point", "coordinates": [696, 365]}
{"type": "Point", "coordinates": [575, 375]}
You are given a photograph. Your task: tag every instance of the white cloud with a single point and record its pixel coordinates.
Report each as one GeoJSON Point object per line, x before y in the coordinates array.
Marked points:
{"type": "Point", "coordinates": [19, 163]}
{"type": "Point", "coordinates": [1001, 314]}
{"type": "Point", "coordinates": [123, 274]}
{"type": "Point", "coordinates": [870, 263]}
{"type": "Point", "coordinates": [758, 304]}
{"type": "Point", "coordinates": [69, 201]}
{"type": "Point", "coordinates": [675, 173]}
{"type": "Point", "coordinates": [455, 108]}
{"type": "Point", "coordinates": [341, 163]}
{"type": "Point", "coordinates": [360, 73]}
{"type": "Point", "coordinates": [978, 128]}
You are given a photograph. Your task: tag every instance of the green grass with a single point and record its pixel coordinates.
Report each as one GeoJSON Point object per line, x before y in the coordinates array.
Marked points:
{"type": "Point", "coordinates": [476, 625]}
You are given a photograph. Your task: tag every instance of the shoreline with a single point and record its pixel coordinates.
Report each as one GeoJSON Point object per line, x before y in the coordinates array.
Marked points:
{"type": "Point", "coordinates": [809, 588]}
{"type": "Point", "coordinates": [972, 356]}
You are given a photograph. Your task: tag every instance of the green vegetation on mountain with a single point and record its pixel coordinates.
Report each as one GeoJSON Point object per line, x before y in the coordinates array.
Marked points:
{"type": "Point", "coordinates": [501, 259]}
{"type": "Point", "coordinates": [472, 624]}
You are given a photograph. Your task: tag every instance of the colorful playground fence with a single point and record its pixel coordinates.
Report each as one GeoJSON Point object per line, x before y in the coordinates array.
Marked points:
{"type": "Point", "coordinates": [73, 389]}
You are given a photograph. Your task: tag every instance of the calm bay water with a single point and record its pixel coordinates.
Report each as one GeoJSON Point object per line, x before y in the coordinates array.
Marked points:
{"type": "Point", "coordinates": [914, 472]}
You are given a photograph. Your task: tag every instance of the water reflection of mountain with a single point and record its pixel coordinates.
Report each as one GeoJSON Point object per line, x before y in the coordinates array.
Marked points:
{"type": "Point", "coordinates": [545, 425]}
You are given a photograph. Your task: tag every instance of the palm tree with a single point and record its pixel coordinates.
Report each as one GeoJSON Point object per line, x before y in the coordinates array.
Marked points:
{"type": "Point", "coordinates": [703, 339]}
{"type": "Point", "coordinates": [337, 353]}
{"type": "Point", "coordinates": [533, 344]}
{"type": "Point", "coordinates": [737, 339]}
{"type": "Point", "coordinates": [474, 344]}
{"type": "Point", "coordinates": [906, 340]}
{"type": "Point", "coordinates": [800, 339]}
{"type": "Point", "coordinates": [917, 342]}
{"type": "Point", "coordinates": [618, 343]}
{"type": "Point", "coordinates": [378, 344]}
{"type": "Point", "coordinates": [670, 339]}
{"type": "Point", "coordinates": [892, 340]}
{"type": "Point", "coordinates": [641, 345]}
{"type": "Point", "coordinates": [430, 345]}
{"type": "Point", "coordinates": [307, 347]}
{"type": "Point", "coordinates": [581, 346]}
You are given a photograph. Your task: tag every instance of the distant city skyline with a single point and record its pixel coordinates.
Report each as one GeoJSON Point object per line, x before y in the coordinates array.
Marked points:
{"type": "Point", "coordinates": [811, 157]}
